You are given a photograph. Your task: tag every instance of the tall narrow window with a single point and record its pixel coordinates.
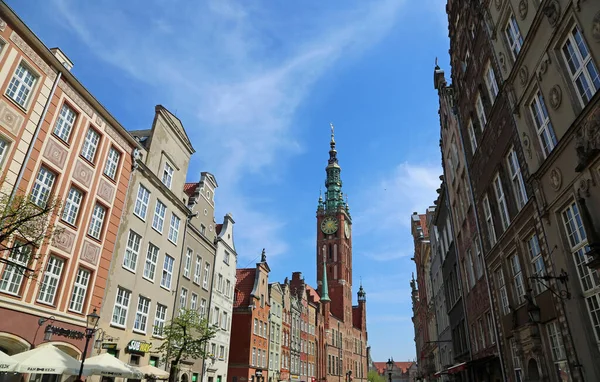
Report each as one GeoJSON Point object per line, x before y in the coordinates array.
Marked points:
{"type": "Point", "coordinates": [513, 36]}
{"type": "Point", "coordinates": [516, 178]}
{"type": "Point", "coordinates": [42, 187]}
{"type": "Point", "coordinates": [472, 136]}
{"type": "Point", "coordinates": [21, 85]}
{"type": "Point", "coordinates": [479, 266]}
{"type": "Point", "coordinates": [12, 276]}
{"type": "Point", "coordinates": [167, 273]}
{"type": "Point", "coordinates": [516, 360]}
{"type": "Point", "coordinates": [97, 221]}
{"type": "Point", "coordinates": [119, 316]}
{"type": "Point", "coordinates": [489, 222]}
{"type": "Point", "coordinates": [141, 316]}
{"type": "Point", "coordinates": [72, 205]}
{"type": "Point", "coordinates": [183, 299]}
{"type": "Point", "coordinates": [194, 301]}
{"type": "Point", "coordinates": [538, 269]}
{"type": "Point", "coordinates": [150, 263]}
{"type": "Point", "coordinates": [159, 216]}
{"type": "Point", "coordinates": [132, 251]}
{"type": "Point", "coordinates": [559, 356]}
{"type": "Point", "coordinates": [187, 263]}
{"type": "Point", "coordinates": [582, 68]}
{"type": "Point", "coordinates": [503, 295]}
{"type": "Point", "coordinates": [206, 276]}
{"type": "Point", "coordinates": [490, 82]}
{"type": "Point", "coordinates": [51, 280]}
{"type": "Point", "coordinates": [79, 290]}
{"type": "Point", "coordinates": [64, 122]}
{"type": "Point", "coordinates": [197, 270]}
{"type": "Point", "coordinates": [517, 278]}
{"type": "Point", "coordinates": [202, 308]}
{"type": "Point", "coordinates": [3, 148]}
{"type": "Point", "coordinates": [167, 177]}
{"type": "Point", "coordinates": [543, 126]}
{"type": "Point", "coordinates": [112, 163]}
{"type": "Point", "coordinates": [480, 112]}
{"type": "Point", "coordinates": [491, 329]}
{"type": "Point", "coordinates": [469, 266]}
{"type": "Point", "coordinates": [141, 202]}
{"type": "Point", "coordinates": [90, 145]}
{"type": "Point", "coordinates": [159, 320]}
{"type": "Point", "coordinates": [501, 200]}
{"type": "Point", "coordinates": [174, 228]}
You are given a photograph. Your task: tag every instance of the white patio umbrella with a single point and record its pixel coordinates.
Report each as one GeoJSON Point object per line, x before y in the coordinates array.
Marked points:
{"type": "Point", "coordinates": [6, 363]}
{"type": "Point", "coordinates": [109, 366]}
{"type": "Point", "coordinates": [47, 359]}
{"type": "Point", "coordinates": [154, 372]}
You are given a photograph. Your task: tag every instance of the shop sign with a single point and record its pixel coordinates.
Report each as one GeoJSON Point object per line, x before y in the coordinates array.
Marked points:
{"type": "Point", "coordinates": [135, 346]}
{"type": "Point", "coordinates": [109, 346]}
{"type": "Point", "coordinates": [58, 331]}
{"type": "Point", "coordinates": [258, 372]}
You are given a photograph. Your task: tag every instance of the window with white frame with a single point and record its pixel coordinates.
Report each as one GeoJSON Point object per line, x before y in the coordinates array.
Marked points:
{"type": "Point", "coordinates": [167, 273]}
{"type": "Point", "coordinates": [491, 331]}
{"type": "Point", "coordinates": [538, 268]}
{"type": "Point", "coordinates": [206, 276]}
{"type": "Point", "coordinates": [194, 301]}
{"type": "Point", "coordinates": [516, 178]}
{"type": "Point", "coordinates": [588, 278]}
{"type": "Point", "coordinates": [513, 36]}
{"type": "Point", "coordinates": [51, 280]}
{"type": "Point", "coordinates": [97, 221]}
{"type": "Point", "coordinates": [167, 177]}
{"type": "Point", "coordinates": [503, 295]}
{"type": "Point", "coordinates": [42, 187]}
{"type": "Point", "coordinates": [3, 148]}
{"type": "Point", "coordinates": [469, 266]}
{"type": "Point", "coordinates": [202, 307]}
{"type": "Point", "coordinates": [490, 82]}
{"type": "Point", "coordinates": [519, 286]}
{"type": "Point", "coordinates": [141, 316]}
{"type": "Point", "coordinates": [481, 333]}
{"type": "Point", "coordinates": [132, 251]}
{"type": "Point", "coordinates": [21, 85]}
{"type": "Point", "coordinates": [72, 205]}
{"type": "Point", "coordinates": [197, 270]}
{"type": "Point", "coordinates": [216, 316]}
{"type": "Point", "coordinates": [480, 112]}
{"type": "Point", "coordinates": [187, 263]}
{"type": "Point", "coordinates": [150, 263]}
{"type": "Point", "coordinates": [159, 320]}
{"type": "Point", "coordinates": [90, 145]}
{"type": "Point", "coordinates": [224, 319]}
{"type": "Point", "coordinates": [501, 201]}
{"type": "Point", "coordinates": [227, 288]}
{"type": "Point", "coordinates": [472, 136]}
{"type": "Point", "coordinates": [479, 266]}
{"type": "Point", "coordinates": [556, 342]}
{"type": "Point", "coordinates": [12, 276]}
{"type": "Point", "coordinates": [221, 352]}
{"type": "Point", "coordinates": [489, 222]}
{"type": "Point", "coordinates": [158, 220]}
{"type": "Point", "coordinates": [174, 228]}
{"type": "Point", "coordinates": [64, 122]}
{"type": "Point", "coordinates": [226, 258]}
{"type": "Point", "coordinates": [543, 126]}
{"type": "Point", "coordinates": [79, 290]}
{"type": "Point", "coordinates": [582, 68]}
{"type": "Point", "coordinates": [119, 316]}
{"type": "Point", "coordinates": [516, 360]}
{"type": "Point", "coordinates": [183, 299]}
{"type": "Point", "coordinates": [141, 202]}
{"type": "Point", "coordinates": [112, 163]}
{"type": "Point", "coordinates": [219, 283]}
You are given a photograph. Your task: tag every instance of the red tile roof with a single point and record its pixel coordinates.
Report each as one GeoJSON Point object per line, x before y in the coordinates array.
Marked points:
{"type": "Point", "coordinates": [313, 293]}
{"type": "Point", "coordinates": [244, 286]}
{"type": "Point", "coordinates": [382, 366]}
{"type": "Point", "coordinates": [190, 188]}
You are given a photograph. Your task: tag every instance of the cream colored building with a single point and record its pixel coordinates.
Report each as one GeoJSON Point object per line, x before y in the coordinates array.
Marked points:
{"type": "Point", "coordinates": [143, 280]}
{"type": "Point", "coordinates": [275, 323]}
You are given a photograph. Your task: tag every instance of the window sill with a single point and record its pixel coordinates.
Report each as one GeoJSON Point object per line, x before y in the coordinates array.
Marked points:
{"type": "Point", "coordinates": [165, 288]}
{"type": "Point", "coordinates": [59, 139]}
{"type": "Point", "coordinates": [140, 217]}
{"type": "Point", "coordinates": [148, 279]}
{"type": "Point", "coordinates": [88, 161]}
{"type": "Point", "coordinates": [46, 303]}
{"type": "Point", "coordinates": [112, 180]}
{"type": "Point", "coordinates": [23, 109]}
{"type": "Point", "coordinates": [156, 229]}
{"type": "Point", "coordinates": [137, 331]}
{"type": "Point", "coordinates": [128, 269]}
{"type": "Point", "coordinates": [173, 242]}
{"type": "Point", "coordinates": [118, 326]}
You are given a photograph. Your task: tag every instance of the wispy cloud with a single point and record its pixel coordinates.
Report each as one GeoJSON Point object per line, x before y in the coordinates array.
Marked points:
{"type": "Point", "coordinates": [236, 76]}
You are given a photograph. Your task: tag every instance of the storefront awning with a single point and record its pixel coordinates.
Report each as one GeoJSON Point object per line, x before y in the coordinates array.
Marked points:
{"type": "Point", "coordinates": [457, 368]}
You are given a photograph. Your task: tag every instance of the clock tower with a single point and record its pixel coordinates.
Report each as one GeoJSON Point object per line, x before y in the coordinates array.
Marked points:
{"type": "Point", "coordinates": [334, 241]}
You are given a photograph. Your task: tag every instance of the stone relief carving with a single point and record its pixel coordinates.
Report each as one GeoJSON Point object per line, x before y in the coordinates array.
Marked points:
{"type": "Point", "coordinates": [502, 59]}
{"type": "Point", "coordinates": [99, 120]}
{"type": "Point", "coordinates": [106, 191]}
{"type": "Point", "coordinates": [552, 12]}
{"type": "Point", "coordinates": [543, 68]}
{"type": "Point", "coordinates": [556, 178]}
{"type": "Point", "coordinates": [587, 140]}
{"type": "Point", "coordinates": [523, 75]}
{"type": "Point", "coordinates": [584, 187]}
{"type": "Point", "coordinates": [90, 253]}
{"type": "Point", "coordinates": [523, 8]}
{"type": "Point", "coordinates": [21, 44]}
{"type": "Point", "coordinates": [72, 94]}
{"type": "Point", "coordinates": [9, 119]}
{"type": "Point", "coordinates": [2, 25]}
{"type": "Point", "coordinates": [527, 144]}
{"type": "Point", "coordinates": [555, 97]}
{"type": "Point", "coordinates": [82, 173]}
{"type": "Point", "coordinates": [64, 240]}
{"type": "Point", "coordinates": [498, 4]}
{"type": "Point", "coordinates": [55, 153]}
{"type": "Point", "coordinates": [596, 27]}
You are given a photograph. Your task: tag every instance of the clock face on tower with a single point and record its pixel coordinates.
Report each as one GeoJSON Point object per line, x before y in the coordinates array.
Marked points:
{"type": "Point", "coordinates": [346, 229]}
{"type": "Point", "coordinates": [329, 225]}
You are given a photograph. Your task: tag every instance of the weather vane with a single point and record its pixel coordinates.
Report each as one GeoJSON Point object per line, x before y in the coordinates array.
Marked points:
{"type": "Point", "coordinates": [331, 125]}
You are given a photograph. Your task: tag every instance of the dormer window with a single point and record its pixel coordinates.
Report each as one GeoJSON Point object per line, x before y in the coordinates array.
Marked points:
{"type": "Point", "coordinates": [167, 177]}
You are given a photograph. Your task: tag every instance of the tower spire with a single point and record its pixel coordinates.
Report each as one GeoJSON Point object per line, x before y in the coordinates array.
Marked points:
{"type": "Point", "coordinates": [325, 286]}
{"type": "Point", "coordinates": [333, 195]}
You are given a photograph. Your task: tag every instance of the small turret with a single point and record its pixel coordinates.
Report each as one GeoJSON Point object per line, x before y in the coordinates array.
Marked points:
{"type": "Point", "coordinates": [362, 295]}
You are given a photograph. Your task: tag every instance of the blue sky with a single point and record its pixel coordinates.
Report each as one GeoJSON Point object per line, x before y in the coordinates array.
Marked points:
{"type": "Point", "coordinates": [256, 84]}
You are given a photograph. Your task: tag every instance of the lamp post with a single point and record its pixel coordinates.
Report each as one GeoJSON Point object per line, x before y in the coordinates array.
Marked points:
{"type": "Point", "coordinates": [90, 329]}
{"type": "Point", "coordinates": [390, 367]}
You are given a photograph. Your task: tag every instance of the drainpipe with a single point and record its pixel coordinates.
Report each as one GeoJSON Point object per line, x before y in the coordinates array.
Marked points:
{"type": "Point", "coordinates": [34, 138]}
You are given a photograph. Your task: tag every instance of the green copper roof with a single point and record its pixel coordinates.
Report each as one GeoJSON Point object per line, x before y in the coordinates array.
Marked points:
{"type": "Point", "coordinates": [325, 286]}
{"type": "Point", "coordinates": [334, 198]}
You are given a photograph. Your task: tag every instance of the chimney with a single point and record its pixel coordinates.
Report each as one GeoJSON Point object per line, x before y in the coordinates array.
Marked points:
{"type": "Point", "coordinates": [62, 57]}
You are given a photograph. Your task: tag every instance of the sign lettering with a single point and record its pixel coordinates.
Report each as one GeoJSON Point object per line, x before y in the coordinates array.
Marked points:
{"type": "Point", "coordinates": [135, 346]}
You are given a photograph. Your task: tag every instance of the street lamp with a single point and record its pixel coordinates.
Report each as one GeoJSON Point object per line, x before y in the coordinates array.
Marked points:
{"type": "Point", "coordinates": [90, 329]}
{"type": "Point", "coordinates": [390, 367]}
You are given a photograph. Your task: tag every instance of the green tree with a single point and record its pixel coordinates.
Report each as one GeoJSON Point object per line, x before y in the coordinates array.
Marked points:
{"type": "Point", "coordinates": [373, 376]}
{"type": "Point", "coordinates": [185, 337]}
{"type": "Point", "coordinates": [25, 228]}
